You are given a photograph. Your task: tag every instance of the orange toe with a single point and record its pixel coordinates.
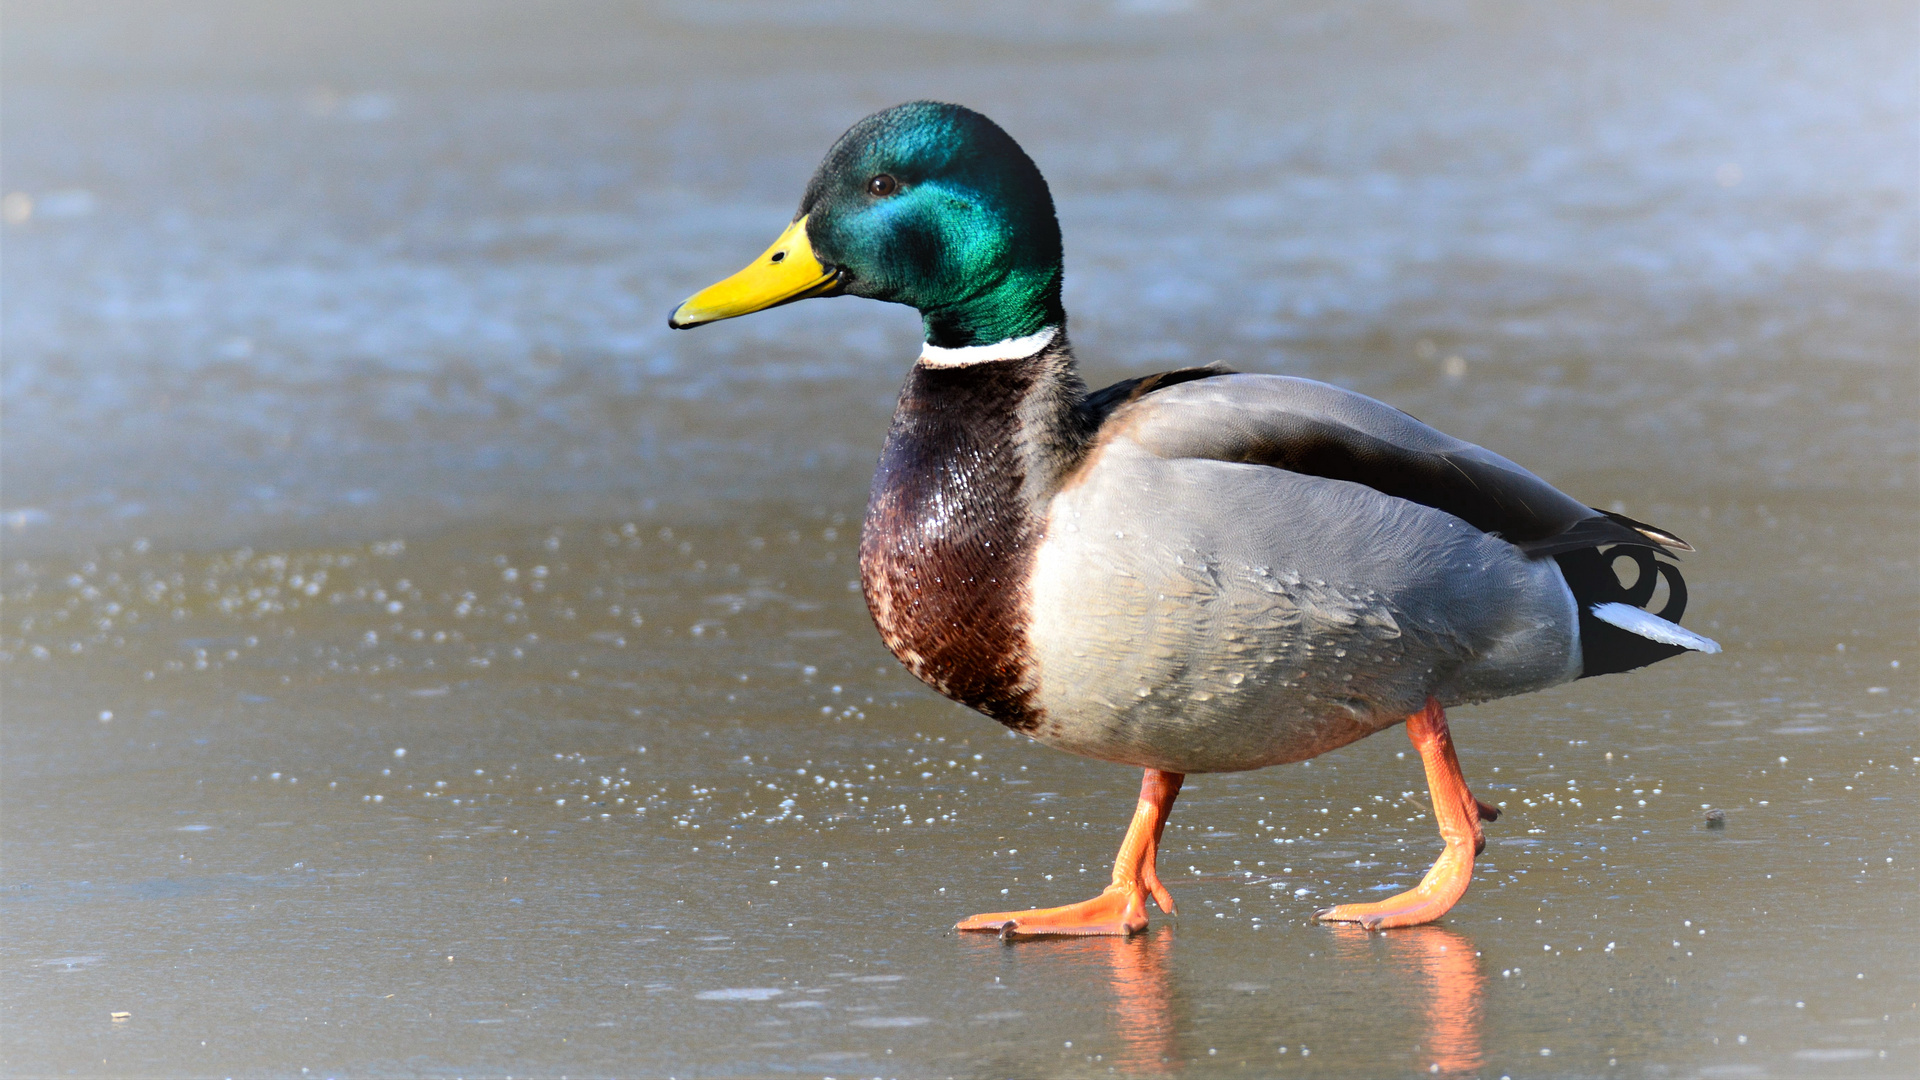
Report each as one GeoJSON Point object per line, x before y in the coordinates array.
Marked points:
{"type": "Point", "coordinates": [1150, 880]}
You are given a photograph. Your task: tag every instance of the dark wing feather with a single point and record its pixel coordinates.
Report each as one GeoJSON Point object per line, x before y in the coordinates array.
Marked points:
{"type": "Point", "coordinates": [1605, 527]}
{"type": "Point", "coordinates": [1101, 403]}
{"type": "Point", "coordinates": [1320, 430]}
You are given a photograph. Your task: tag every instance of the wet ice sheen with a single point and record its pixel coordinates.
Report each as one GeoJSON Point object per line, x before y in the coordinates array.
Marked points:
{"type": "Point", "coordinates": [741, 993]}
{"type": "Point", "coordinates": [444, 607]}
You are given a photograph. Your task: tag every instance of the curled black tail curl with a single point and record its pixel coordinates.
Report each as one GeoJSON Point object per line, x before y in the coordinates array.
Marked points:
{"type": "Point", "coordinates": [1606, 649]}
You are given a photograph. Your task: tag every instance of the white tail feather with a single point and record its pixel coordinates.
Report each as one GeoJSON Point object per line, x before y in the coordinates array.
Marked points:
{"type": "Point", "coordinates": [1653, 627]}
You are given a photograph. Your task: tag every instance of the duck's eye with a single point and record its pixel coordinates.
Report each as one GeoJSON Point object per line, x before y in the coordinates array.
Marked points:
{"type": "Point", "coordinates": [882, 186]}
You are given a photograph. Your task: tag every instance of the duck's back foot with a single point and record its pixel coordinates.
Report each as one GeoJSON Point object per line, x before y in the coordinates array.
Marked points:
{"type": "Point", "coordinates": [1424, 903]}
{"type": "Point", "coordinates": [1458, 813]}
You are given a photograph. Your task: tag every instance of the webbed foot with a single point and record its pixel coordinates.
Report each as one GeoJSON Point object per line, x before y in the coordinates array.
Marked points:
{"type": "Point", "coordinates": [1459, 815]}
{"type": "Point", "coordinates": [1121, 909]}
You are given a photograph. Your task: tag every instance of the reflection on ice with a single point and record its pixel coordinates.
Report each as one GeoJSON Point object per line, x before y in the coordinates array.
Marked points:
{"type": "Point", "coordinates": [1438, 971]}
{"type": "Point", "coordinates": [1141, 972]}
{"type": "Point", "coordinates": [1134, 975]}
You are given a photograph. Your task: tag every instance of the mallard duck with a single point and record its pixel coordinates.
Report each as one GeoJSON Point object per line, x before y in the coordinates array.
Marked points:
{"type": "Point", "coordinates": [1195, 571]}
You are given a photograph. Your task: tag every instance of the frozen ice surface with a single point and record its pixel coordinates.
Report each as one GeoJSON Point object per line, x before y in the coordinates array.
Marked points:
{"type": "Point", "coordinates": [485, 689]}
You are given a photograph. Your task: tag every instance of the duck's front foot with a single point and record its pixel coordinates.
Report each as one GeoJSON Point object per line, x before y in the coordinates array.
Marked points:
{"type": "Point", "coordinates": [1459, 815]}
{"type": "Point", "coordinates": [1116, 912]}
{"type": "Point", "coordinates": [1121, 909]}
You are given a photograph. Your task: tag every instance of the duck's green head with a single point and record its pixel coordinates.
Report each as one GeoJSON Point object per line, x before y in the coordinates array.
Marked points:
{"type": "Point", "coordinates": [924, 204]}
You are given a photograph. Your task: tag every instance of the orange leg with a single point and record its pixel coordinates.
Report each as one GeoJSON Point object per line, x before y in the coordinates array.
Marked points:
{"type": "Point", "coordinates": [1120, 909]}
{"type": "Point", "coordinates": [1458, 813]}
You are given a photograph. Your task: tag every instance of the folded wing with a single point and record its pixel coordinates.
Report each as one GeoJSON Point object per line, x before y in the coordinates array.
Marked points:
{"type": "Point", "coordinates": [1315, 429]}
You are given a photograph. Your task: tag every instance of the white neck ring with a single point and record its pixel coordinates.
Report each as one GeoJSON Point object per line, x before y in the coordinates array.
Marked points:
{"type": "Point", "coordinates": [1018, 348]}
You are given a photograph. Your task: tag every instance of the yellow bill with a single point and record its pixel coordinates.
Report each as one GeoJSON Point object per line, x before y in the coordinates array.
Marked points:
{"type": "Point", "coordinates": [783, 273]}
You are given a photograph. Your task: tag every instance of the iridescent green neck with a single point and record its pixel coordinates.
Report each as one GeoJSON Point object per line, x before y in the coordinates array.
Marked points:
{"type": "Point", "coordinates": [1026, 303]}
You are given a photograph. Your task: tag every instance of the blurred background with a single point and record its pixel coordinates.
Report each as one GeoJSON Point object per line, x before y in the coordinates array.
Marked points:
{"type": "Point", "coordinates": [339, 418]}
